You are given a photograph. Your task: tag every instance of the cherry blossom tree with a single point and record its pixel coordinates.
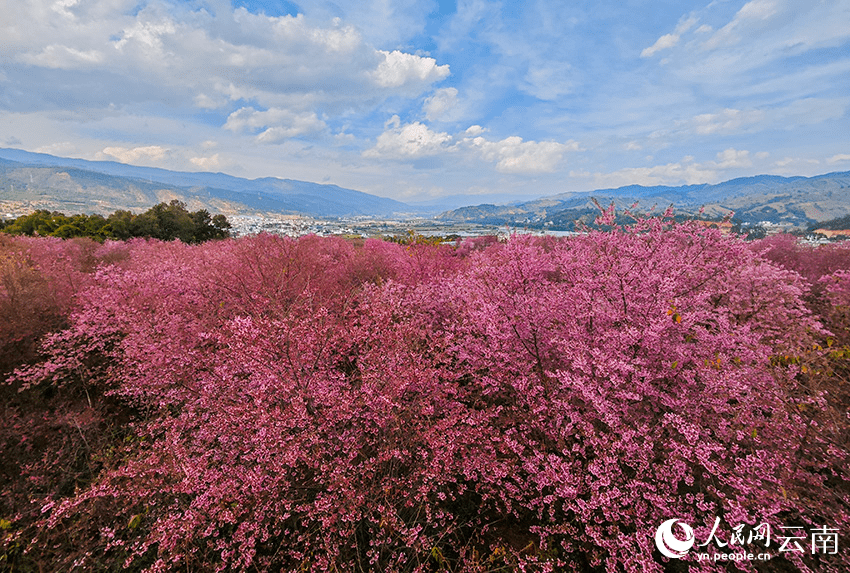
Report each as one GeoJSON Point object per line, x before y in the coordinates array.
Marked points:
{"type": "Point", "coordinates": [537, 404]}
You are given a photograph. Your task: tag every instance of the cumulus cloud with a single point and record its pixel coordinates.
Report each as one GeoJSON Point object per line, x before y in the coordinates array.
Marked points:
{"type": "Point", "coordinates": [733, 158]}
{"type": "Point", "coordinates": [513, 155]}
{"type": "Point", "coordinates": [399, 69]}
{"type": "Point", "coordinates": [382, 23]}
{"type": "Point", "coordinates": [150, 153]}
{"type": "Point", "coordinates": [510, 155]}
{"type": "Point", "coordinates": [172, 52]}
{"type": "Point", "coordinates": [276, 124]}
{"type": "Point", "coordinates": [207, 163]}
{"type": "Point", "coordinates": [438, 105]}
{"type": "Point", "coordinates": [409, 141]}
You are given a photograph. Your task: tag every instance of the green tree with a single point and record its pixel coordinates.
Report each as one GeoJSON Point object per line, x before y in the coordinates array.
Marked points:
{"type": "Point", "coordinates": [164, 221]}
{"type": "Point", "coordinates": [119, 225]}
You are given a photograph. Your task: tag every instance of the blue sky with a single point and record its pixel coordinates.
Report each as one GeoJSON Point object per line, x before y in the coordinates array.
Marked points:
{"type": "Point", "coordinates": [415, 99]}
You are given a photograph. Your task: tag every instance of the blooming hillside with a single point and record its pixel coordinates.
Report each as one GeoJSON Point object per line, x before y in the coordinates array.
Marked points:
{"type": "Point", "coordinates": [538, 404]}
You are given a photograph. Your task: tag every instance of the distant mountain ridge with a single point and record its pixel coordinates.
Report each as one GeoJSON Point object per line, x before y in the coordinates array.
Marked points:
{"type": "Point", "coordinates": [36, 180]}
{"type": "Point", "coordinates": [791, 201]}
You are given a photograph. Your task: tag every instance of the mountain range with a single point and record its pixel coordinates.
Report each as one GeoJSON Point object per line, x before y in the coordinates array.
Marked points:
{"type": "Point", "coordinates": [787, 201]}
{"type": "Point", "coordinates": [39, 181]}
{"type": "Point", "coordinates": [36, 180]}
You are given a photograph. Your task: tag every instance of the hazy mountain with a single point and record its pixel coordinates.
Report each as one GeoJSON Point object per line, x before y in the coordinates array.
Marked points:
{"type": "Point", "coordinates": [797, 201]}
{"type": "Point", "coordinates": [35, 180]}
{"type": "Point", "coordinates": [440, 204]}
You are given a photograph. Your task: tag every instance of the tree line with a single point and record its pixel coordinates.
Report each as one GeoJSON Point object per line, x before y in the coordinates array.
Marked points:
{"type": "Point", "coordinates": [164, 221]}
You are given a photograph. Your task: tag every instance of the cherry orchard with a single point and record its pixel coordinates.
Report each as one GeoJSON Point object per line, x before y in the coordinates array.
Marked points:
{"type": "Point", "coordinates": [538, 404]}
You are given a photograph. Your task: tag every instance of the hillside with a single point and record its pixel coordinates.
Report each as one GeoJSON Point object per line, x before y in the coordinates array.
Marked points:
{"type": "Point", "coordinates": [37, 181]}
{"type": "Point", "coordinates": [791, 201]}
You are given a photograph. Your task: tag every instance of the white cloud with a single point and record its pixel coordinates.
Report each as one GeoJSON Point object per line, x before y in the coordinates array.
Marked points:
{"type": "Point", "coordinates": [510, 155]}
{"type": "Point", "coordinates": [757, 10]}
{"type": "Point", "coordinates": [733, 158]}
{"type": "Point", "coordinates": [277, 124]}
{"type": "Point", "coordinates": [61, 148]}
{"type": "Point", "coordinates": [662, 43]}
{"type": "Point", "coordinates": [399, 69]}
{"type": "Point", "coordinates": [408, 141]}
{"type": "Point", "coordinates": [344, 138]}
{"type": "Point", "coordinates": [669, 40]}
{"type": "Point", "coordinates": [751, 15]}
{"type": "Point", "coordinates": [177, 53]}
{"type": "Point", "coordinates": [149, 33]}
{"type": "Point", "coordinates": [57, 56]}
{"type": "Point", "coordinates": [686, 171]}
{"type": "Point", "coordinates": [207, 163]}
{"type": "Point", "coordinates": [383, 23]}
{"type": "Point", "coordinates": [205, 101]}
{"type": "Point", "coordinates": [670, 174]}
{"type": "Point", "coordinates": [839, 158]}
{"type": "Point", "coordinates": [150, 153]}
{"type": "Point", "coordinates": [513, 155]}
{"type": "Point", "coordinates": [764, 31]}
{"type": "Point", "coordinates": [61, 7]}
{"type": "Point", "coordinates": [797, 166]}
{"type": "Point", "coordinates": [726, 121]}
{"type": "Point", "coordinates": [438, 105]}
{"type": "Point", "coordinates": [752, 59]}
{"type": "Point", "coordinates": [806, 111]}
{"type": "Point", "coordinates": [784, 162]}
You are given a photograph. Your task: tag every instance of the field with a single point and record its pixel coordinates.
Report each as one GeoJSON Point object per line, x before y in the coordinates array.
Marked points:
{"type": "Point", "coordinates": [535, 404]}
